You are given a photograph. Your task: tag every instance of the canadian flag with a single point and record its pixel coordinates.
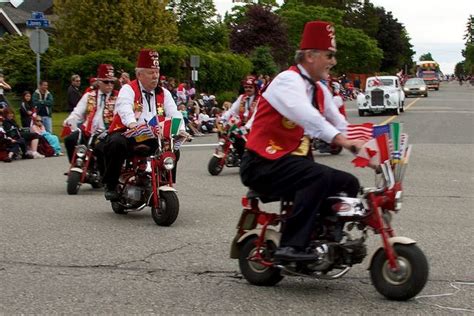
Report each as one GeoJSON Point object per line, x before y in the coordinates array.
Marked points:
{"type": "Point", "coordinates": [374, 152]}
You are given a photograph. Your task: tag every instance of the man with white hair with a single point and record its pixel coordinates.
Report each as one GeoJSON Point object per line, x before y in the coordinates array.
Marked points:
{"type": "Point", "coordinates": [138, 102]}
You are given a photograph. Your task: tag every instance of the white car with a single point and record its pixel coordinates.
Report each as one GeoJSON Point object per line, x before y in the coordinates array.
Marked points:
{"type": "Point", "coordinates": [382, 93]}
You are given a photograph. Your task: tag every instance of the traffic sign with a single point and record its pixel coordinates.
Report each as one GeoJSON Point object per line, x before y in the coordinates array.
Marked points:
{"type": "Point", "coordinates": [37, 23]}
{"type": "Point", "coordinates": [37, 15]}
{"type": "Point", "coordinates": [195, 59]}
{"type": "Point", "coordinates": [39, 41]}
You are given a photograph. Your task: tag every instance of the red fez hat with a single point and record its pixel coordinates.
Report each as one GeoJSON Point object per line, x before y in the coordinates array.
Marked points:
{"type": "Point", "coordinates": [105, 72]}
{"type": "Point", "coordinates": [162, 78]}
{"type": "Point", "coordinates": [148, 58]}
{"type": "Point", "coordinates": [318, 35]}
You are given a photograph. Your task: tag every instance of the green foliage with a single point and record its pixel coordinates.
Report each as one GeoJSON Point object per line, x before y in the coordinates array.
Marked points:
{"type": "Point", "coordinates": [426, 56]}
{"type": "Point", "coordinates": [86, 65]}
{"type": "Point", "coordinates": [230, 96]}
{"type": "Point", "coordinates": [469, 62]}
{"type": "Point", "coordinates": [263, 62]}
{"type": "Point", "coordinates": [217, 71]}
{"type": "Point", "coordinates": [89, 25]}
{"type": "Point", "coordinates": [197, 25]}
{"type": "Point", "coordinates": [356, 52]}
{"type": "Point", "coordinates": [18, 62]}
{"type": "Point", "coordinates": [459, 69]}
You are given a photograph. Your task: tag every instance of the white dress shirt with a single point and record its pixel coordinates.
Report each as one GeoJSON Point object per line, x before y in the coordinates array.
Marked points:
{"type": "Point", "coordinates": [235, 108]}
{"type": "Point", "coordinates": [291, 96]}
{"type": "Point", "coordinates": [126, 98]}
{"type": "Point", "coordinates": [78, 115]}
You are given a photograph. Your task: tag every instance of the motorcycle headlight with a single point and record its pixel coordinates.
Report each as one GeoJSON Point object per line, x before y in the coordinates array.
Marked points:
{"type": "Point", "coordinates": [367, 97]}
{"type": "Point", "coordinates": [81, 151]}
{"type": "Point", "coordinates": [168, 163]}
{"type": "Point", "coordinates": [387, 96]}
{"type": "Point", "coordinates": [79, 162]}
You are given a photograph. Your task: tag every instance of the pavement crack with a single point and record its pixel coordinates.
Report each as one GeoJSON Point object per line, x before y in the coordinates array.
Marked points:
{"type": "Point", "coordinates": [145, 260]}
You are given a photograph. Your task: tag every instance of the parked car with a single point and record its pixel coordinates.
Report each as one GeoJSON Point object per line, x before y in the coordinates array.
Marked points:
{"type": "Point", "coordinates": [415, 86]}
{"type": "Point", "coordinates": [382, 94]}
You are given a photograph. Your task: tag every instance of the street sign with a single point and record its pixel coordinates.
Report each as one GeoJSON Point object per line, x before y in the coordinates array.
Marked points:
{"type": "Point", "coordinates": [194, 75]}
{"type": "Point", "coordinates": [37, 23]}
{"type": "Point", "coordinates": [37, 15]}
{"type": "Point", "coordinates": [39, 41]}
{"type": "Point", "coordinates": [195, 61]}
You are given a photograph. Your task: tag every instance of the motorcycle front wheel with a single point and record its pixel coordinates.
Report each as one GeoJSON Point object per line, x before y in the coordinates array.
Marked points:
{"type": "Point", "coordinates": [254, 272]}
{"type": "Point", "coordinates": [166, 214]}
{"type": "Point", "coordinates": [215, 166]}
{"type": "Point", "coordinates": [408, 281]}
{"type": "Point", "coordinates": [73, 182]}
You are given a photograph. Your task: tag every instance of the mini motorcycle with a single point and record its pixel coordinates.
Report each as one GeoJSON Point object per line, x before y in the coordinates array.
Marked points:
{"type": "Point", "coordinates": [398, 269]}
{"type": "Point", "coordinates": [325, 148]}
{"type": "Point", "coordinates": [83, 167]}
{"type": "Point", "coordinates": [146, 180]}
{"type": "Point", "coordinates": [225, 154]}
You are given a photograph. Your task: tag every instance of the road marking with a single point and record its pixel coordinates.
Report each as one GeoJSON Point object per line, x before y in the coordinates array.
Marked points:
{"type": "Point", "coordinates": [199, 145]}
{"type": "Point", "coordinates": [395, 116]}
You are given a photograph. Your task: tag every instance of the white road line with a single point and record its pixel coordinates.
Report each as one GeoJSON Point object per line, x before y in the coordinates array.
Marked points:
{"type": "Point", "coordinates": [199, 145]}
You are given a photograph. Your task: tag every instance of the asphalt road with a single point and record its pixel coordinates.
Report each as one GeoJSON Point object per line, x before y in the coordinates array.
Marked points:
{"type": "Point", "coordinates": [72, 254]}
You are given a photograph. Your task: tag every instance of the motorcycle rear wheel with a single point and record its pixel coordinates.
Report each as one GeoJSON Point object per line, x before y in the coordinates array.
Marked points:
{"type": "Point", "coordinates": [254, 272]}
{"type": "Point", "coordinates": [403, 285]}
{"type": "Point", "coordinates": [73, 182]}
{"type": "Point", "coordinates": [215, 166]}
{"type": "Point", "coordinates": [168, 211]}
{"type": "Point", "coordinates": [118, 208]}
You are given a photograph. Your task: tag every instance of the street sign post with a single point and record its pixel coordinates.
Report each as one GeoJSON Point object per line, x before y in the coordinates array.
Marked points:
{"type": "Point", "coordinates": [39, 40]}
{"type": "Point", "coordinates": [195, 60]}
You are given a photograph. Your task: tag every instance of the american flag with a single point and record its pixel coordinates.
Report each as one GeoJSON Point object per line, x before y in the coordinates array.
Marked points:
{"type": "Point", "coordinates": [366, 131]}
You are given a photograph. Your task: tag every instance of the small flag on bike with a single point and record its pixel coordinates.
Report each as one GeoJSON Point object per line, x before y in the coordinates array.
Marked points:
{"type": "Point", "coordinates": [140, 133]}
{"type": "Point", "coordinates": [170, 126]}
{"type": "Point", "coordinates": [366, 131]}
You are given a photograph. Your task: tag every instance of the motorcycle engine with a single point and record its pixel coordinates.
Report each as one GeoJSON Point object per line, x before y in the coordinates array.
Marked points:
{"type": "Point", "coordinates": [133, 193]}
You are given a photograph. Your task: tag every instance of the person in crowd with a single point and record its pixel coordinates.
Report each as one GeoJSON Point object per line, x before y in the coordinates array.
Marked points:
{"type": "Point", "coordinates": [74, 93]}
{"type": "Point", "coordinates": [191, 91]}
{"type": "Point", "coordinates": [43, 102]}
{"type": "Point", "coordinates": [207, 123]}
{"type": "Point", "coordinates": [53, 140]}
{"type": "Point", "coordinates": [137, 103]}
{"type": "Point", "coordinates": [9, 149]}
{"type": "Point", "coordinates": [95, 110]}
{"type": "Point", "coordinates": [294, 108]}
{"type": "Point", "coordinates": [226, 106]}
{"type": "Point", "coordinates": [182, 93]}
{"type": "Point", "coordinates": [124, 78]}
{"type": "Point", "coordinates": [189, 126]}
{"type": "Point", "coordinates": [335, 88]}
{"type": "Point", "coordinates": [243, 107]}
{"type": "Point", "coordinates": [3, 87]}
{"type": "Point", "coordinates": [27, 141]}
{"type": "Point", "coordinates": [26, 109]}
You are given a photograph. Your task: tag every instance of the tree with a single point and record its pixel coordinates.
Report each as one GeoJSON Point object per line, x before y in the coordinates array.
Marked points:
{"type": "Point", "coordinates": [126, 25]}
{"type": "Point", "coordinates": [261, 27]}
{"type": "Point", "coordinates": [426, 56]}
{"type": "Point", "coordinates": [263, 62]}
{"type": "Point", "coordinates": [364, 18]}
{"type": "Point", "coordinates": [198, 26]}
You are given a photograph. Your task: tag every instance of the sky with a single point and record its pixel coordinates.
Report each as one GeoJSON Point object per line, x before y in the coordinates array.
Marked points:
{"type": "Point", "coordinates": [435, 27]}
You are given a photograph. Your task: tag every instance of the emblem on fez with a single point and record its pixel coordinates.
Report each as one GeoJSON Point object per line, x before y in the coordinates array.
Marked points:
{"type": "Point", "coordinates": [332, 35]}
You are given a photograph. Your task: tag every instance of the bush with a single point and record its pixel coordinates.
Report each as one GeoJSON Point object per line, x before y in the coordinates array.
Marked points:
{"type": "Point", "coordinates": [230, 96]}
{"type": "Point", "coordinates": [217, 71]}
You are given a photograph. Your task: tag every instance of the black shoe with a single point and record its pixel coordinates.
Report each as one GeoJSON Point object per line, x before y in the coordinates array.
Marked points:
{"type": "Point", "coordinates": [111, 195]}
{"type": "Point", "coordinates": [291, 254]}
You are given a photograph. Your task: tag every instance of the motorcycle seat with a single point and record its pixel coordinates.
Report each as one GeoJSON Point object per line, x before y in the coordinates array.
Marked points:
{"type": "Point", "coordinates": [252, 194]}
{"type": "Point", "coordinates": [141, 150]}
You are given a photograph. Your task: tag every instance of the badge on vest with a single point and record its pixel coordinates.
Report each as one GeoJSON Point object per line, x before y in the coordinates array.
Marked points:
{"type": "Point", "coordinates": [287, 123]}
{"type": "Point", "coordinates": [159, 110]}
{"type": "Point", "coordinates": [272, 148]}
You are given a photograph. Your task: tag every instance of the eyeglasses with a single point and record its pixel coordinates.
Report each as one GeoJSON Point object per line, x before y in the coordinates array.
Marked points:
{"type": "Point", "coordinates": [331, 55]}
{"type": "Point", "coordinates": [108, 81]}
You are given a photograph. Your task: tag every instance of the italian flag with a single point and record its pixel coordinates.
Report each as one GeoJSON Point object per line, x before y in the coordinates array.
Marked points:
{"type": "Point", "coordinates": [170, 126]}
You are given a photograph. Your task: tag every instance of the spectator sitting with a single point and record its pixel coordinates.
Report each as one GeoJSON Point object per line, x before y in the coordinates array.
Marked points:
{"type": "Point", "coordinates": [189, 127]}
{"type": "Point", "coordinates": [8, 148]}
{"type": "Point", "coordinates": [21, 138]}
{"type": "Point", "coordinates": [207, 123]}
{"type": "Point", "coordinates": [26, 109]}
{"type": "Point", "coordinates": [38, 128]}
{"type": "Point", "coordinates": [3, 86]}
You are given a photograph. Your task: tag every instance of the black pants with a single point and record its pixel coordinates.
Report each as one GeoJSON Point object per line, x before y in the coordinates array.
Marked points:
{"type": "Point", "coordinates": [309, 182]}
{"type": "Point", "coordinates": [116, 149]}
{"type": "Point", "coordinates": [239, 145]}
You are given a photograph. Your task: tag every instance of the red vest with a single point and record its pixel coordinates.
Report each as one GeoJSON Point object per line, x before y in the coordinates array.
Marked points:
{"type": "Point", "coordinates": [117, 124]}
{"type": "Point", "coordinates": [272, 135]}
{"type": "Point", "coordinates": [252, 106]}
{"type": "Point", "coordinates": [91, 109]}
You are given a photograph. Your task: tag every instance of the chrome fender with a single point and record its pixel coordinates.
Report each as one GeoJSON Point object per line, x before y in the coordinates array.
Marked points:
{"type": "Point", "coordinates": [167, 188]}
{"type": "Point", "coordinates": [76, 169]}
{"type": "Point", "coordinates": [270, 234]}
{"type": "Point", "coordinates": [393, 241]}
